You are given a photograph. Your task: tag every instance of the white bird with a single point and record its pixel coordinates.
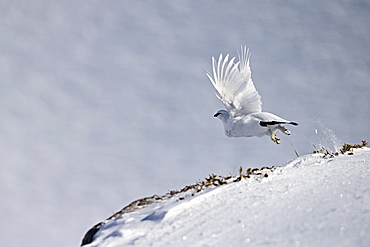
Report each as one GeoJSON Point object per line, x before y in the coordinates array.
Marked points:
{"type": "Point", "coordinates": [234, 87]}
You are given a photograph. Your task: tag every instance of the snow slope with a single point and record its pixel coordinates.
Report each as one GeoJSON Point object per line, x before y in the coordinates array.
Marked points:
{"type": "Point", "coordinates": [311, 201]}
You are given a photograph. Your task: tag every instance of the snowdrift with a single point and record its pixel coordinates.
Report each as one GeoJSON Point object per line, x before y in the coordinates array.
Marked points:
{"type": "Point", "coordinates": [310, 201]}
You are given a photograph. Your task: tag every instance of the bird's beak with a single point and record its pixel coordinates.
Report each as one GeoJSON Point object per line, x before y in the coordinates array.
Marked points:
{"type": "Point", "coordinates": [216, 115]}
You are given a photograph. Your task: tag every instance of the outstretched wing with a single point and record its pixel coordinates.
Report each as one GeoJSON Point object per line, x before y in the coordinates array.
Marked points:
{"type": "Point", "coordinates": [234, 85]}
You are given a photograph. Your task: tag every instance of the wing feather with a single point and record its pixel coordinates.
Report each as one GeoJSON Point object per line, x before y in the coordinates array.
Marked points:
{"type": "Point", "coordinates": [234, 85]}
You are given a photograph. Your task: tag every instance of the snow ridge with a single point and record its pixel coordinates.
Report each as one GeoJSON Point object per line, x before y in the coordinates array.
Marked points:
{"type": "Point", "coordinates": [310, 201]}
{"type": "Point", "coordinates": [189, 190]}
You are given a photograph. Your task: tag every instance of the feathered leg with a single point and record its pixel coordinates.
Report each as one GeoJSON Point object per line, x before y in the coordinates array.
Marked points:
{"type": "Point", "coordinates": [284, 130]}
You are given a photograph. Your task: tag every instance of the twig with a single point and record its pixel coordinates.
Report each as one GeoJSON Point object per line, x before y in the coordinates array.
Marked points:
{"type": "Point", "coordinates": [295, 151]}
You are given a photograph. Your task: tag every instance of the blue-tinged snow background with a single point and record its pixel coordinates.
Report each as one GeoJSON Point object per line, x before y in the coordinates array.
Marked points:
{"type": "Point", "coordinates": [105, 102]}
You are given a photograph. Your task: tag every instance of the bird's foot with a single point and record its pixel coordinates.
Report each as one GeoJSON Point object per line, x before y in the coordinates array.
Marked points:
{"type": "Point", "coordinates": [275, 139]}
{"type": "Point", "coordinates": [284, 130]}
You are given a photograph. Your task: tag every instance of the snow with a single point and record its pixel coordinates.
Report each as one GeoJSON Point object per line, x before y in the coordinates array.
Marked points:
{"type": "Point", "coordinates": [310, 201]}
{"type": "Point", "coordinates": [105, 102]}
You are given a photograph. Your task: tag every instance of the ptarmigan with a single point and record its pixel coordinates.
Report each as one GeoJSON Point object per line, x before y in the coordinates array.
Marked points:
{"type": "Point", "coordinates": [235, 88]}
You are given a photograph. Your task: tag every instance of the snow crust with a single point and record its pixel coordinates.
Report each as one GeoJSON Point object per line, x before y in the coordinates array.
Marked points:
{"type": "Point", "coordinates": [310, 201]}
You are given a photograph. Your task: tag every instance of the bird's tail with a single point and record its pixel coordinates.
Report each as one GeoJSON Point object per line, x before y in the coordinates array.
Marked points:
{"type": "Point", "coordinates": [266, 123]}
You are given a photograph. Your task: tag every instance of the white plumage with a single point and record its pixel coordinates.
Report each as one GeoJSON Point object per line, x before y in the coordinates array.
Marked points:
{"type": "Point", "coordinates": [235, 88]}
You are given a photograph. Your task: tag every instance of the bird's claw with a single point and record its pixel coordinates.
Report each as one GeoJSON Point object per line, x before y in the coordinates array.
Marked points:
{"type": "Point", "coordinates": [275, 139]}
{"type": "Point", "coordinates": [284, 130]}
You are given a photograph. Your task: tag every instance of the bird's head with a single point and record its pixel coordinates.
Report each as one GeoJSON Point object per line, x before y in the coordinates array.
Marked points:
{"type": "Point", "coordinates": [222, 114]}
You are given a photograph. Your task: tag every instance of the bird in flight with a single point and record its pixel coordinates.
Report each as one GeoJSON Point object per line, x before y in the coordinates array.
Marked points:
{"type": "Point", "coordinates": [243, 116]}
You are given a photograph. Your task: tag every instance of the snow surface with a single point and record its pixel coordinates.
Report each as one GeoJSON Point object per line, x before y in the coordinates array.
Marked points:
{"type": "Point", "coordinates": [311, 201]}
{"type": "Point", "coordinates": [105, 102]}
